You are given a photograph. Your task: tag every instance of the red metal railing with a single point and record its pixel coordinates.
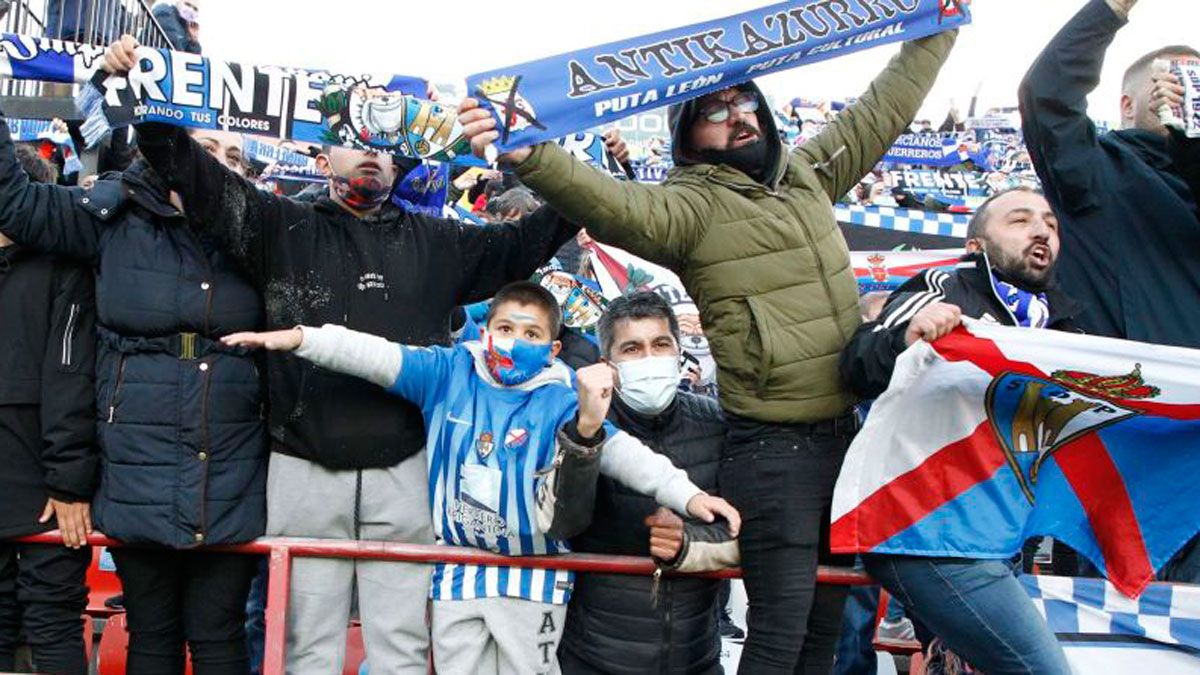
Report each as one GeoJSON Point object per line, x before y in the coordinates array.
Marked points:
{"type": "Point", "coordinates": [282, 550]}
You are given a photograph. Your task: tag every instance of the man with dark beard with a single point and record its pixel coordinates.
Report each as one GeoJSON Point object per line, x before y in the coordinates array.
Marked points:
{"type": "Point", "coordinates": [976, 607]}
{"type": "Point", "coordinates": [748, 227]}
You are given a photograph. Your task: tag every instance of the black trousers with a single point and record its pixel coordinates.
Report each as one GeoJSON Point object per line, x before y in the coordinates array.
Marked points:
{"type": "Point", "coordinates": [194, 597]}
{"type": "Point", "coordinates": [43, 589]}
{"type": "Point", "coordinates": [781, 478]}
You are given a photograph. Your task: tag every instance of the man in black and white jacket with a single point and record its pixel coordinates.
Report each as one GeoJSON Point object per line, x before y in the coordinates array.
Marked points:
{"type": "Point", "coordinates": [1007, 277]}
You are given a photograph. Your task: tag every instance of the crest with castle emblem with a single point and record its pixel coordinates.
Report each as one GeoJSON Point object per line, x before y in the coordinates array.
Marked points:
{"type": "Point", "coordinates": [1035, 416]}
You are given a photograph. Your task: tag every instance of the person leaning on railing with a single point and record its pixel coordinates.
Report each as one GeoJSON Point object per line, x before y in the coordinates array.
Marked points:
{"type": "Point", "coordinates": [182, 438]}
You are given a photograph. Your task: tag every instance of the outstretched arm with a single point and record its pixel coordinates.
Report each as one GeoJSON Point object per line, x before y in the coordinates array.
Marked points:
{"type": "Point", "coordinates": [854, 142]}
{"type": "Point", "coordinates": [413, 373]}
{"type": "Point", "coordinates": [49, 218]}
{"type": "Point", "coordinates": [1061, 138]}
{"type": "Point", "coordinates": [493, 255]}
{"type": "Point", "coordinates": [217, 201]}
{"type": "Point", "coordinates": [659, 223]}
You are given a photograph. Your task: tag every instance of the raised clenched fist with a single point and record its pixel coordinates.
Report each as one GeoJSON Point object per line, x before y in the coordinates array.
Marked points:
{"type": "Point", "coordinates": [595, 385]}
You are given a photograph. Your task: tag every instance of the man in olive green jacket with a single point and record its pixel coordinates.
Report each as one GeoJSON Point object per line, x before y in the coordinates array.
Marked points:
{"type": "Point", "coordinates": [749, 229]}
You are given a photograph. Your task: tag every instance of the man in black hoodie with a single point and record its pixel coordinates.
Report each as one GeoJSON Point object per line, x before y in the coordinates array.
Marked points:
{"type": "Point", "coordinates": [1128, 214]}
{"type": "Point", "coordinates": [1126, 199]}
{"type": "Point", "coordinates": [347, 460]}
{"type": "Point", "coordinates": [47, 447]}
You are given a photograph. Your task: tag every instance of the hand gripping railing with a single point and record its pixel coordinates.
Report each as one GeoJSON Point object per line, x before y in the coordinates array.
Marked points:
{"type": "Point", "coordinates": [282, 550]}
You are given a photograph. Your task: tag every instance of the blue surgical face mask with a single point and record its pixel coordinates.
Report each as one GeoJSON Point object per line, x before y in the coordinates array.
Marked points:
{"type": "Point", "coordinates": [512, 361]}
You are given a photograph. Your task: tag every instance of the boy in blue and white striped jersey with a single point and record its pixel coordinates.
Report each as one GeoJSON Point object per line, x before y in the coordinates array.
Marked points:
{"type": "Point", "coordinates": [513, 453]}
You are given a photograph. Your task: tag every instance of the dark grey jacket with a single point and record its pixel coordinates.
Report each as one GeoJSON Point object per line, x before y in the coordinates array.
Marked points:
{"type": "Point", "coordinates": [617, 623]}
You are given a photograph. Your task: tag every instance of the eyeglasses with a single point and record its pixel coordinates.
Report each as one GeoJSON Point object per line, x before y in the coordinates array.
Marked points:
{"type": "Point", "coordinates": [718, 112]}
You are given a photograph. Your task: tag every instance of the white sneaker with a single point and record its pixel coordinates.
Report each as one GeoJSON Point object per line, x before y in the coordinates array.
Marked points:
{"type": "Point", "coordinates": [897, 631]}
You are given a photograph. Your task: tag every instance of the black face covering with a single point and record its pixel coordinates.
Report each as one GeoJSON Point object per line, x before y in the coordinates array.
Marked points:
{"type": "Point", "coordinates": [749, 159]}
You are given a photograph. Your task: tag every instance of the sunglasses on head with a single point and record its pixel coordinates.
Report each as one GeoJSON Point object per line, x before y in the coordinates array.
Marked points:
{"type": "Point", "coordinates": [719, 111]}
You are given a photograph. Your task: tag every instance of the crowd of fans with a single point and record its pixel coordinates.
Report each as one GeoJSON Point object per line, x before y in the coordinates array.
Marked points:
{"type": "Point", "coordinates": [213, 349]}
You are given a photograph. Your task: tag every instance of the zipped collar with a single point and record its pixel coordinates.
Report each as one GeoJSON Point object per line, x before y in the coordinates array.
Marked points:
{"type": "Point", "coordinates": [976, 270]}
{"type": "Point", "coordinates": [638, 424]}
{"type": "Point", "coordinates": [148, 190]}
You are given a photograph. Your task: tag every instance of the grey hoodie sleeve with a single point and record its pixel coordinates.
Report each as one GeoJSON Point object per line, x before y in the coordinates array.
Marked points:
{"type": "Point", "coordinates": [633, 464]}
{"type": "Point", "coordinates": [342, 350]}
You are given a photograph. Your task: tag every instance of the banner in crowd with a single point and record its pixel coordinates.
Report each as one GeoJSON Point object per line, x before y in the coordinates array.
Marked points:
{"type": "Point", "coordinates": [30, 131]}
{"type": "Point", "coordinates": [903, 220]}
{"type": "Point", "coordinates": [997, 120]}
{"type": "Point", "coordinates": [936, 150]}
{"type": "Point", "coordinates": [620, 273]}
{"type": "Point", "coordinates": [382, 112]}
{"type": "Point", "coordinates": [269, 153]}
{"type": "Point", "coordinates": [952, 186]}
{"type": "Point", "coordinates": [651, 173]}
{"type": "Point", "coordinates": [993, 435]}
{"type": "Point", "coordinates": [888, 270]}
{"type": "Point", "coordinates": [589, 147]}
{"type": "Point", "coordinates": [424, 189]}
{"type": "Point", "coordinates": [559, 95]}
{"type": "Point", "coordinates": [1188, 73]}
{"type": "Point", "coordinates": [1102, 631]}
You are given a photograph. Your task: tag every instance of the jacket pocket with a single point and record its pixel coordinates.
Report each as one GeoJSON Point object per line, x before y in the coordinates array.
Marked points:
{"type": "Point", "coordinates": [762, 329]}
{"type": "Point", "coordinates": [114, 396]}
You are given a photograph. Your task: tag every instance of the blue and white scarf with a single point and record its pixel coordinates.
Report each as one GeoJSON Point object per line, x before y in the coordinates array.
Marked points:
{"type": "Point", "coordinates": [1031, 310]}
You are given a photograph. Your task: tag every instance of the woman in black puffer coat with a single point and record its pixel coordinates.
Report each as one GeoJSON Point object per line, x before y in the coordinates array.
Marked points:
{"type": "Point", "coordinates": [180, 417]}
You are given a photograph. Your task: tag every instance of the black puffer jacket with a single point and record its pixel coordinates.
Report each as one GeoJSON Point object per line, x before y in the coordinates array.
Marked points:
{"type": "Point", "coordinates": [180, 417]}
{"type": "Point", "coordinates": [868, 361]}
{"type": "Point", "coordinates": [613, 621]}
{"type": "Point", "coordinates": [395, 274]}
{"type": "Point", "coordinates": [47, 383]}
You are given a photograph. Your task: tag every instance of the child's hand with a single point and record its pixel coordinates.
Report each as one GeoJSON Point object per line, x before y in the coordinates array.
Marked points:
{"type": "Point", "coordinates": [595, 385]}
{"type": "Point", "coordinates": [276, 340]}
{"type": "Point", "coordinates": [708, 508]}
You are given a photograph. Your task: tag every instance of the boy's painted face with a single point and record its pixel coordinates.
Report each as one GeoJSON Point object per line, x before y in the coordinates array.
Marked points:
{"type": "Point", "coordinates": [518, 342]}
{"type": "Point", "coordinates": [522, 322]}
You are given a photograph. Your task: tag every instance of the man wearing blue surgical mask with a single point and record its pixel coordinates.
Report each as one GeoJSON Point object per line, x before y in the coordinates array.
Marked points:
{"type": "Point", "coordinates": [627, 624]}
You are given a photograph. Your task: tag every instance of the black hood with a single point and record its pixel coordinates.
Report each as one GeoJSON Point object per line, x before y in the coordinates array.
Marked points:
{"type": "Point", "coordinates": [1151, 147]}
{"type": "Point", "coordinates": [681, 116]}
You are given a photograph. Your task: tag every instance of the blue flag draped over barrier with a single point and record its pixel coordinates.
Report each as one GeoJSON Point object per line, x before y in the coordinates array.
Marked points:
{"type": "Point", "coordinates": [551, 97]}
{"type": "Point", "coordinates": [381, 112]}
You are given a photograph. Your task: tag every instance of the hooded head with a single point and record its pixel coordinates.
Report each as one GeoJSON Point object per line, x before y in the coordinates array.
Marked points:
{"type": "Point", "coordinates": [747, 141]}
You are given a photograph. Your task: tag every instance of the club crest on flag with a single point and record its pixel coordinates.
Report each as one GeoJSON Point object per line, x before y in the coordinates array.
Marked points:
{"type": "Point", "coordinates": [485, 445]}
{"type": "Point", "coordinates": [878, 267]}
{"type": "Point", "coordinates": [516, 438]}
{"type": "Point", "coordinates": [1033, 416]}
{"type": "Point", "coordinates": [515, 111]}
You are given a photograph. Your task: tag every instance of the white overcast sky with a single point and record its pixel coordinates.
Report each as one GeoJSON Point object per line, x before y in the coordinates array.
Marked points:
{"type": "Point", "coordinates": [448, 39]}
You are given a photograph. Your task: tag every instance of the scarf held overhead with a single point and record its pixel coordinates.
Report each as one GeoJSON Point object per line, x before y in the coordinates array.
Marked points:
{"type": "Point", "coordinates": [544, 99]}
{"type": "Point", "coordinates": [379, 112]}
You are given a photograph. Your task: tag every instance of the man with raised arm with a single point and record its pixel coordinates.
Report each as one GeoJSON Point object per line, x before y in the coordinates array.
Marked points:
{"type": "Point", "coordinates": [749, 228]}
